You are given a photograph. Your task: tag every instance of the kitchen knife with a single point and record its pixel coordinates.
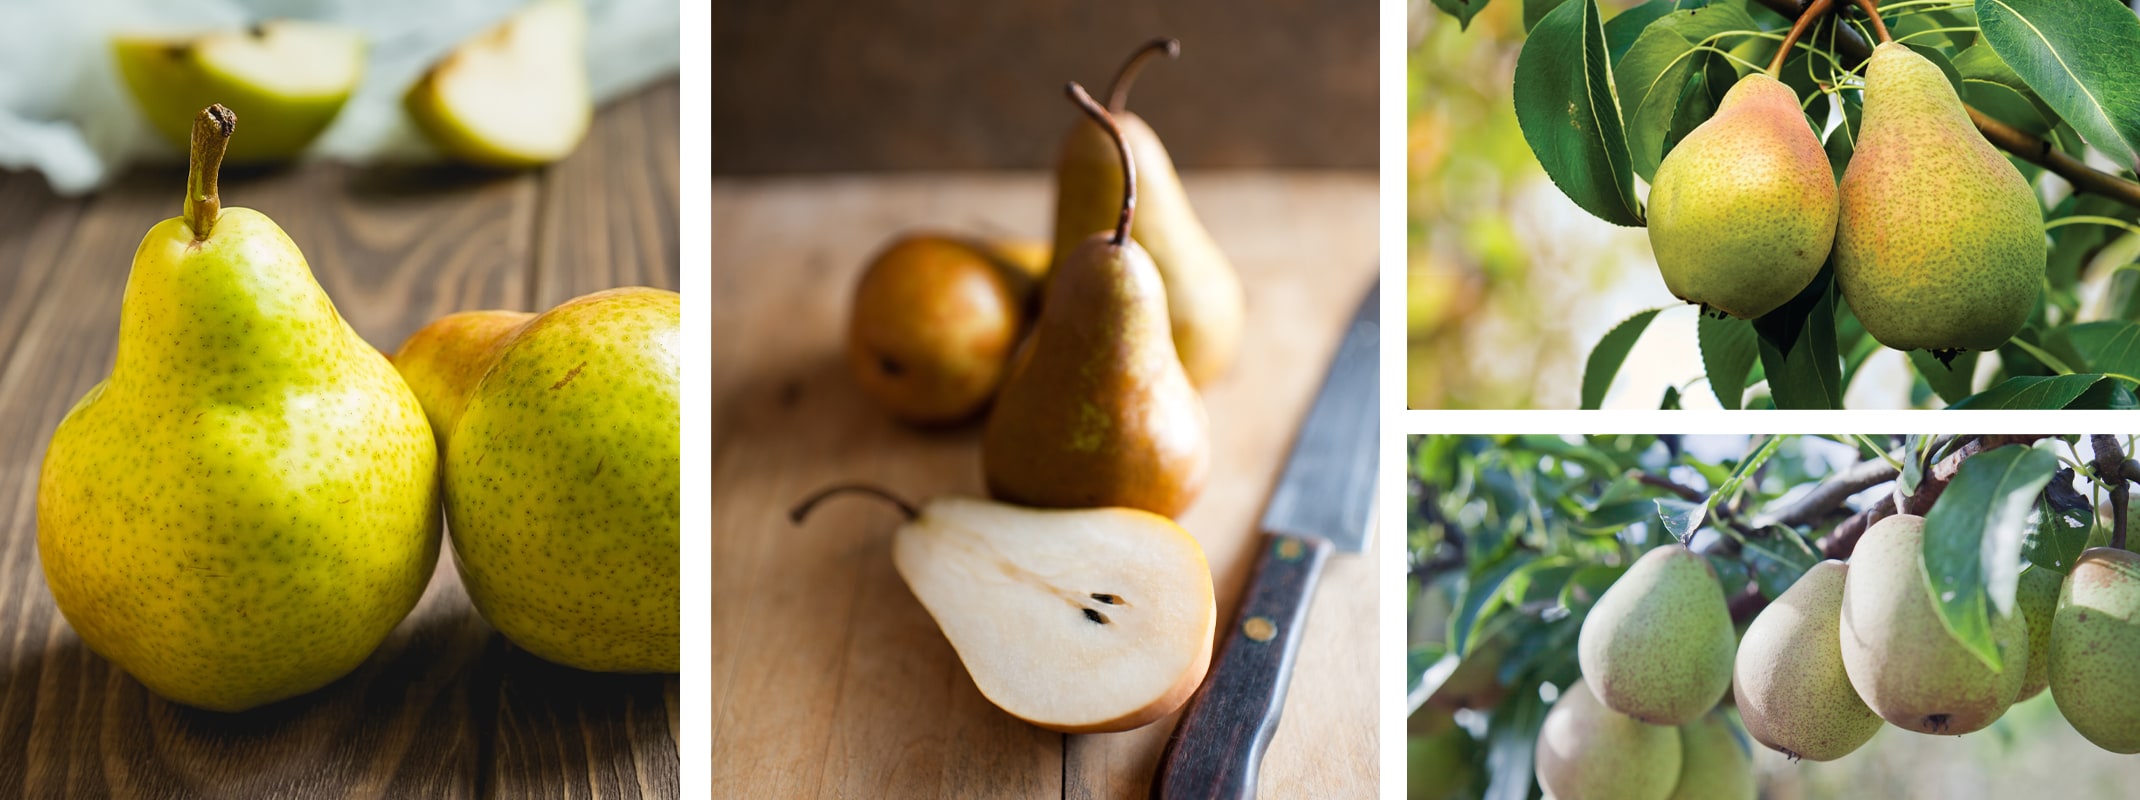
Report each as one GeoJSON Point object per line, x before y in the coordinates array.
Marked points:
{"type": "Point", "coordinates": [1323, 502]}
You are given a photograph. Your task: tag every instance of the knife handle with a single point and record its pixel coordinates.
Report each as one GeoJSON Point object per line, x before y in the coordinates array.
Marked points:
{"type": "Point", "coordinates": [1217, 748]}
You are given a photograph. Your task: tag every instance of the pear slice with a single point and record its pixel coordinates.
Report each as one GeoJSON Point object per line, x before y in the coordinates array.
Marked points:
{"type": "Point", "coordinates": [289, 79]}
{"type": "Point", "coordinates": [513, 97]}
{"type": "Point", "coordinates": [1079, 621]}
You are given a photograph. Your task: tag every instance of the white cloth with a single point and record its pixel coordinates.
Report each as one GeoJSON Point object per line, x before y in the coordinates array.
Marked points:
{"type": "Point", "coordinates": [65, 112]}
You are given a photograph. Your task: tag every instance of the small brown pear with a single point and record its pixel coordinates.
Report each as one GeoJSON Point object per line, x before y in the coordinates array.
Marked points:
{"type": "Point", "coordinates": [1204, 298]}
{"type": "Point", "coordinates": [934, 321]}
{"type": "Point", "coordinates": [1100, 412]}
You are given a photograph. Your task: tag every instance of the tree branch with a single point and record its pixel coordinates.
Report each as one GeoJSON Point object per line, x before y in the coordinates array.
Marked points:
{"type": "Point", "coordinates": [1852, 50]}
{"type": "Point", "coordinates": [2110, 467]}
{"type": "Point", "coordinates": [1830, 494]}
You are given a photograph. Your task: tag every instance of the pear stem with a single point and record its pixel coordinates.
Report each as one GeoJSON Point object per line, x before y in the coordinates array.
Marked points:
{"type": "Point", "coordinates": [211, 137]}
{"type": "Point", "coordinates": [1805, 22]}
{"type": "Point", "coordinates": [1852, 50]}
{"type": "Point", "coordinates": [1872, 14]}
{"type": "Point", "coordinates": [803, 508]}
{"type": "Point", "coordinates": [1118, 91]}
{"type": "Point", "coordinates": [1129, 168]}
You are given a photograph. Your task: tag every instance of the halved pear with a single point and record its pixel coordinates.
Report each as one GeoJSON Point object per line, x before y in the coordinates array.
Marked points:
{"type": "Point", "coordinates": [287, 78]}
{"type": "Point", "coordinates": [1079, 621]}
{"type": "Point", "coordinates": [513, 97]}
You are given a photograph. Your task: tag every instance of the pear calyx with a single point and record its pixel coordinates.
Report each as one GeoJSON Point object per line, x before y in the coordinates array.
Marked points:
{"type": "Point", "coordinates": [212, 129]}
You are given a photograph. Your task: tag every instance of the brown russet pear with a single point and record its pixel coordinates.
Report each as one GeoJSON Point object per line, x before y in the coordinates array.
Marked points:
{"type": "Point", "coordinates": [1204, 298]}
{"type": "Point", "coordinates": [1100, 411]}
{"type": "Point", "coordinates": [1091, 620]}
{"type": "Point", "coordinates": [1586, 750]}
{"type": "Point", "coordinates": [246, 507]}
{"type": "Point", "coordinates": [1715, 763]}
{"type": "Point", "coordinates": [1658, 644]}
{"type": "Point", "coordinates": [933, 324]}
{"type": "Point", "coordinates": [1742, 211]}
{"type": "Point", "coordinates": [2095, 649]}
{"type": "Point", "coordinates": [1789, 683]}
{"type": "Point", "coordinates": [1900, 656]}
{"type": "Point", "coordinates": [559, 432]}
{"type": "Point", "coordinates": [1939, 240]}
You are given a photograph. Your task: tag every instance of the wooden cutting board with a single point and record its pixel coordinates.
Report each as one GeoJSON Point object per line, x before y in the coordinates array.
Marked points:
{"type": "Point", "coordinates": [829, 679]}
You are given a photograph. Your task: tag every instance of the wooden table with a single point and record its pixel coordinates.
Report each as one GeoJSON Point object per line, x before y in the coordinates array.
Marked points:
{"type": "Point", "coordinates": [446, 707]}
{"type": "Point", "coordinates": [829, 679]}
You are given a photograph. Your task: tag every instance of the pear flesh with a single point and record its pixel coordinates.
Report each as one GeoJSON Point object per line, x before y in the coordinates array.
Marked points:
{"type": "Point", "coordinates": [1940, 241]}
{"type": "Point", "coordinates": [1658, 644]}
{"type": "Point", "coordinates": [1086, 621]}
{"type": "Point", "coordinates": [1900, 656]}
{"type": "Point", "coordinates": [2095, 647]}
{"type": "Point", "coordinates": [1587, 750]}
{"type": "Point", "coordinates": [562, 472]}
{"type": "Point", "coordinates": [1789, 683]}
{"type": "Point", "coordinates": [514, 97]}
{"type": "Point", "coordinates": [1714, 762]}
{"type": "Point", "coordinates": [1204, 296]}
{"type": "Point", "coordinates": [289, 78]}
{"type": "Point", "coordinates": [248, 505]}
{"type": "Point", "coordinates": [1742, 211]}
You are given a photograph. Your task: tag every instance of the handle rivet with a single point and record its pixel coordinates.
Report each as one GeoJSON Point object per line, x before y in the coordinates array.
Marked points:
{"type": "Point", "coordinates": [1289, 549]}
{"type": "Point", "coordinates": [1259, 628]}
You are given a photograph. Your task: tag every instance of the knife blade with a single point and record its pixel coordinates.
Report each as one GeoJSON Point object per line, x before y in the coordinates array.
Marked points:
{"type": "Point", "coordinates": [1324, 501]}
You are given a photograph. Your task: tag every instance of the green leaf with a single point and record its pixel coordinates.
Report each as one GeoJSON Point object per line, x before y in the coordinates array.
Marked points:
{"type": "Point", "coordinates": [1565, 107]}
{"type": "Point", "coordinates": [1973, 537]}
{"type": "Point", "coordinates": [1652, 78]}
{"type": "Point", "coordinates": [1949, 381]}
{"type": "Point", "coordinates": [1609, 353]}
{"type": "Point", "coordinates": [2050, 392]}
{"type": "Point", "coordinates": [1624, 28]}
{"type": "Point", "coordinates": [2064, 519]}
{"type": "Point", "coordinates": [1981, 64]}
{"type": "Point", "coordinates": [1535, 10]}
{"type": "Point", "coordinates": [1778, 560]}
{"type": "Point", "coordinates": [1728, 353]}
{"type": "Point", "coordinates": [1482, 596]}
{"type": "Point", "coordinates": [2112, 347]}
{"type": "Point", "coordinates": [1462, 10]}
{"type": "Point", "coordinates": [2080, 58]}
{"type": "Point", "coordinates": [1810, 373]}
{"type": "Point", "coordinates": [1587, 585]}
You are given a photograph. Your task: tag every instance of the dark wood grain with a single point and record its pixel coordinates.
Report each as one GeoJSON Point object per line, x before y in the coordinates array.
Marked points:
{"type": "Point", "coordinates": [446, 707]}
{"type": "Point", "coordinates": [1216, 751]}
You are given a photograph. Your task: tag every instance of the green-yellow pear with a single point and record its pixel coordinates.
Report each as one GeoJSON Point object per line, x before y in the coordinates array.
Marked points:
{"type": "Point", "coordinates": [2037, 596]}
{"type": "Point", "coordinates": [1587, 751]}
{"type": "Point", "coordinates": [1658, 644]}
{"type": "Point", "coordinates": [1789, 682]}
{"type": "Point", "coordinates": [1204, 298]}
{"type": "Point", "coordinates": [1900, 656]}
{"type": "Point", "coordinates": [2095, 649]}
{"type": "Point", "coordinates": [1081, 621]}
{"type": "Point", "coordinates": [1742, 211]}
{"type": "Point", "coordinates": [560, 436]}
{"type": "Point", "coordinates": [289, 77]}
{"type": "Point", "coordinates": [1939, 240]}
{"type": "Point", "coordinates": [513, 97]}
{"type": "Point", "coordinates": [932, 327]}
{"type": "Point", "coordinates": [1100, 412]}
{"type": "Point", "coordinates": [249, 503]}
{"type": "Point", "coordinates": [1714, 763]}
